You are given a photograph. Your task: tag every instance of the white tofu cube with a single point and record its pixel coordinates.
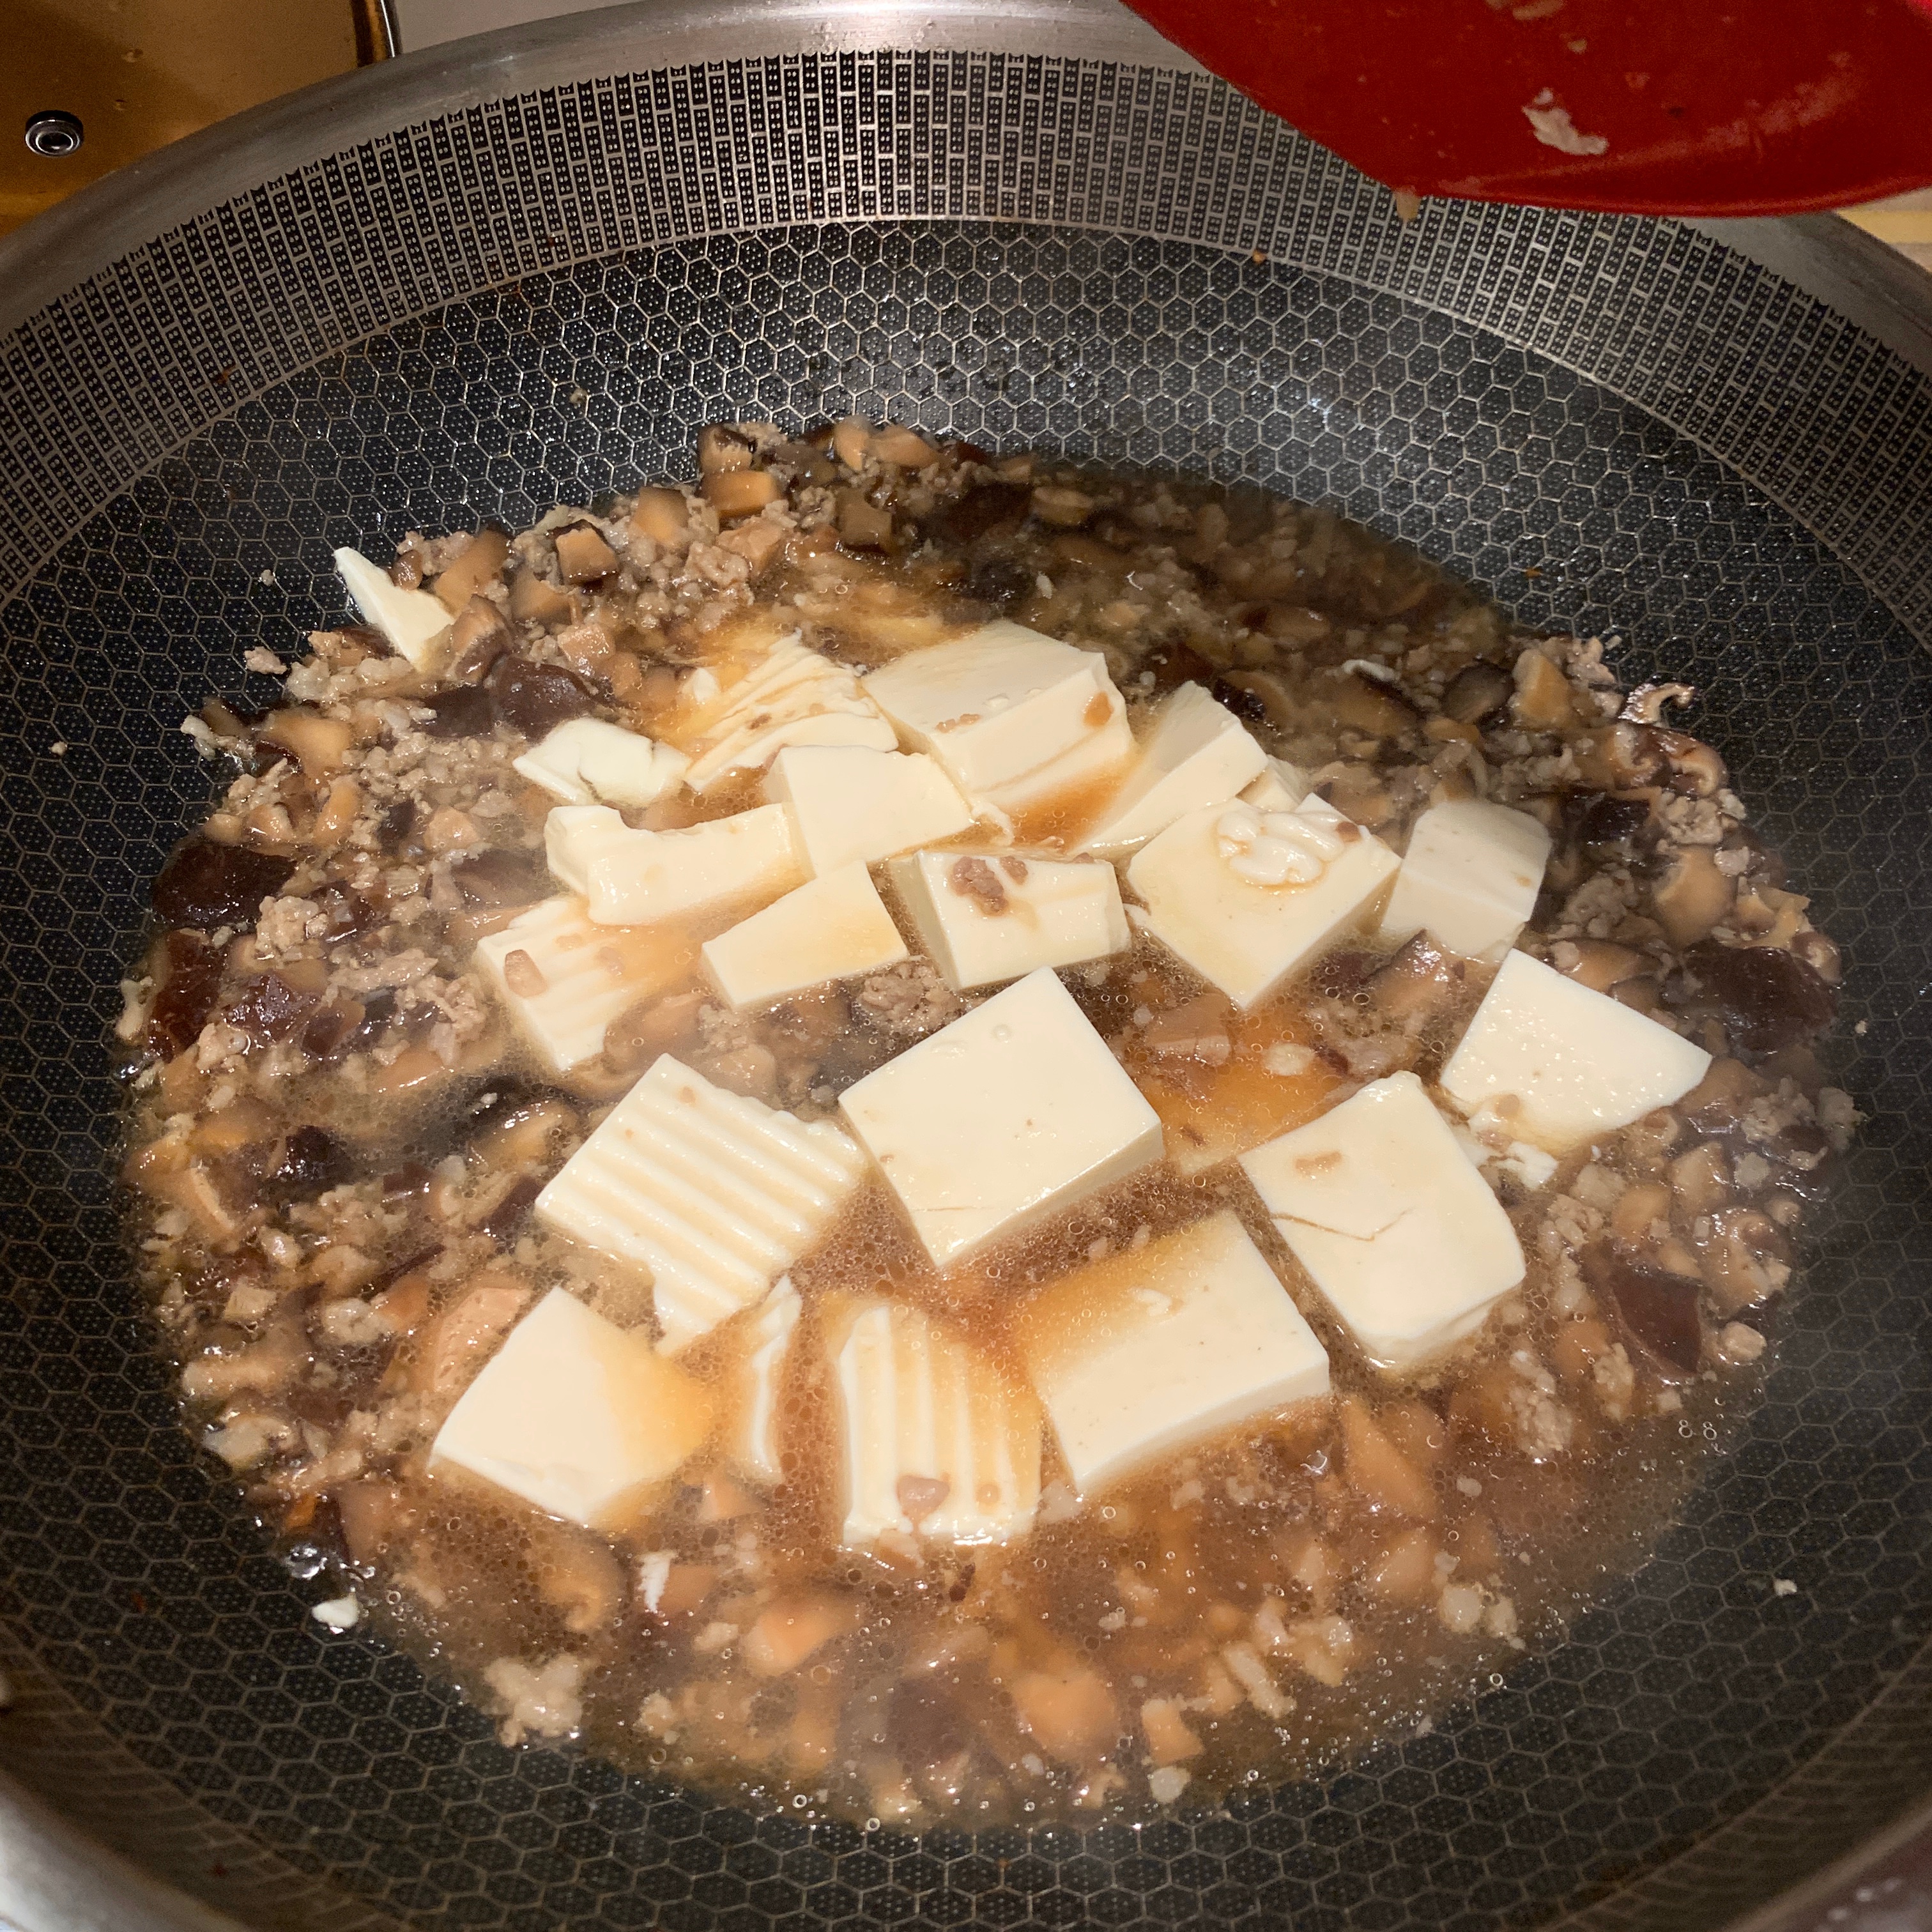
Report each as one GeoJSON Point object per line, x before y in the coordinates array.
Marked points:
{"type": "Point", "coordinates": [639, 878]}
{"type": "Point", "coordinates": [716, 1194]}
{"type": "Point", "coordinates": [1014, 1111]}
{"type": "Point", "coordinates": [790, 695]}
{"type": "Point", "coordinates": [1140, 1355]}
{"type": "Point", "coordinates": [756, 1381]}
{"type": "Point", "coordinates": [1559, 1063]}
{"type": "Point", "coordinates": [411, 623]}
{"type": "Point", "coordinates": [986, 917]}
{"type": "Point", "coordinates": [577, 1416]}
{"type": "Point", "coordinates": [830, 928]}
{"type": "Point", "coordinates": [564, 980]}
{"type": "Point", "coordinates": [1015, 717]}
{"type": "Point", "coordinates": [852, 803]}
{"type": "Point", "coordinates": [1197, 753]}
{"type": "Point", "coordinates": [1397, 1230]}
{"type": "Point", "coordinates": [1281, 787]}
{"type": "Point", "coordinates": [1245, 897]}
{"type": "Point", "coordinates": [585, 761]}
{"type": "Point", "coordinates": [937, 1441]}
{"type": "Point", "coordinates": [1469, 878]}
{"type": "Point", "coordinates": [574, 834]}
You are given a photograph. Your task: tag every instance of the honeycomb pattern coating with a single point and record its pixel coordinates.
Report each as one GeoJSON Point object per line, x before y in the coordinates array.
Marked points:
{"type": "Point", "coordinates": [151, 1629]}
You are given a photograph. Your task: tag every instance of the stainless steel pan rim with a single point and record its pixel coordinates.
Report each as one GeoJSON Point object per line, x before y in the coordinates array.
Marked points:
{"type": "Point", "coordinates": [51, 1878]}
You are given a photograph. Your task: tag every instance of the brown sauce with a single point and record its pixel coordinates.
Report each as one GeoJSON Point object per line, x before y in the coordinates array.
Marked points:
{"type": "Point", "coordinates": [336, 1137]}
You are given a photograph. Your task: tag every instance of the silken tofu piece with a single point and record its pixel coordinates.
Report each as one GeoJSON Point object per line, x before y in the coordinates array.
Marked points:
{"type": "Point", "coordinates": [790, 695]}
{"type": "Point", "coordinates": [716, 1194]}
{"type": "Point", "coordinates": [1015, 718]}
{"type": "Point", "coordinates": [986, 917]}
{"type": "Point", "coordinates": [1281, 787]}
{"type": "Point", "coordinates": [574, 835]}
{"type": "Point", "coordinates": [756, 1382]}
{"type": "Point", "coordinates": [1014, 1111]}
{"type": "Point", "coordinates": [639, 878]}
{"type": "Point", "coordinates": [585, 761]}
{"type": "Point", "coordinates": [1244, 897]}
{"type": "Point", "coordinates": [1140, 1355]}
{"type": "Point", "coordinates": [564, 980]}
{"type": "Point", "coordinates": [936, 1441]}
{"type": "Point", "coordinates": [1197, 753]}
{"type": "Point", "coordinates": [830, 928]}
{"type": "Point", "coordinates": [1469, 878]}
{"type": "Point", "coordinates": [411, 623]}
{"type": "Point", "coordinates": [1557, 1063]}
{"type": "Point", "coordinates": [1398, 1230]}
{"type": "Point", "coordinates": [579, 1416]}
{"type": "Point", "coordinates": [854, 803]}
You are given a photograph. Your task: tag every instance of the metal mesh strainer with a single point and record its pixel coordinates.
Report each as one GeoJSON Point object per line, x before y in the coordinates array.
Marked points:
{"type": "Point", "coordinates": [484, 281]}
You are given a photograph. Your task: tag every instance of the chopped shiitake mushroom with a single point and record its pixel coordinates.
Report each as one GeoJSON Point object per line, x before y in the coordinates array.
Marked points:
{"type": "Point", "coordinates": [345, 1128]}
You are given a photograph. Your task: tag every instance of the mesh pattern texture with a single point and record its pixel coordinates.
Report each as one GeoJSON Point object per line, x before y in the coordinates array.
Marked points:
{"type": "Point", "coordinates": [1701, 1738]}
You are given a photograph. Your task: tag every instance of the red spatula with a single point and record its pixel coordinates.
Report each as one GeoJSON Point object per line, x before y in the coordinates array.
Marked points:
{"type": "Point", "coordinates": [1647, 107]}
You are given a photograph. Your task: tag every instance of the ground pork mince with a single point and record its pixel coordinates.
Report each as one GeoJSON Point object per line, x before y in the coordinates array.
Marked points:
{"type": "Point", "coordinates": [927, 1135]}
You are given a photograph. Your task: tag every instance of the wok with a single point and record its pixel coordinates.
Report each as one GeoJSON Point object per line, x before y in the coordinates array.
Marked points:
{"type": "Point", "coordinates": [525, 268]}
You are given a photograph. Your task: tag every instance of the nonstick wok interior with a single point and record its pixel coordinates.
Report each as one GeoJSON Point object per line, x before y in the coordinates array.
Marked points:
{"type": "Point", "coordinates": [1207, 294]}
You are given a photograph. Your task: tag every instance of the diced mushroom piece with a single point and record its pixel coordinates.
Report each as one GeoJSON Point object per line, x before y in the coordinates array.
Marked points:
{"type": "Point", "coordinates": [1639, 1212]}
{"type": "Point", "coordinates": [1820, 953]}
{"type": "Point", "coordinates": [1658, 1309]}
{"type": "Point", "coordinates": [757, 542]}
{"type": "Point", "coordinates": [1620, 757]}
{"type": "Point", "coordinates": [1420, 982]}
{"type": "Point", "coordinates": [577, 1574]}
{"type": "Point", "coordinates": [1701, 1179]}
{"type": "Point", "coordinates": [1070, 1713]}
{"type": "Point", "coordinates": [851, 440]}
{"type": "Point", "coordinates": [1168, 1739]}
{"type": "Point", "coordinates": [862, 525]}
{"type": "Point", "coordinates": [480, 562]}
{"type": "Point", "coordinates": [1542, 700]}
{"type": "Point", "coordinates": [1596, 964]}
{"type": "Point", "coordinates": [535, 600]}
{"type": "Point", "coordinates": [1721, 1098]}
{"type": "Point", "coordinates": [583, 556]}
{"type": "Point", "coordinates": [320, 745]}
{"type": "Point", "coordinates": [740, 493]}
{"type": "Point", "coordinates": [374, 1514]}
{"type": "Point", "coordinates": [1197, 1029]}
{"type": "Point", "coordinates": [905, 447]}
{"type": "Point", "coordinates": [1478, 694]}
{"type": "Point", "coordinates": [786, 1633]}
{"type": "Point", "coordinates": [1696, 768]}
{"type": "Point", "coordinates": [1768, 998]}
{"type": "Point", "coordinates": [1694, 896]}
{"type": "Point", "coordinates": [1326, 1648]}
{"type": "Point", "coordinates": [1742, 1253]}
{"type": "Point", "coordinates": [1377, 1470]}
{"type": "Point", "coordinates": [1372, 706]}
{"type": "Point", "coordinates": [476, 1319]}
{"type": "Point", "coordinates": [477, 638]}
{"type": "Point", "coordinates": [722, 448]}
{"type": "Point", "coordinates": [1405, 1572]}
{"type": "Point", "coordinates": [1644, 705]}
{"type": "Point", "coordinates": [262, 1369]}
{"type": "Point", "coordinates": [662, 516]}
{"type": "Point", "coordinates": [1065, 508]}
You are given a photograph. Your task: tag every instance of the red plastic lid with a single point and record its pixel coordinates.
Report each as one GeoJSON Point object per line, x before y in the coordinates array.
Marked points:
{"type": "Point", "coordinates": [1644, 106]}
